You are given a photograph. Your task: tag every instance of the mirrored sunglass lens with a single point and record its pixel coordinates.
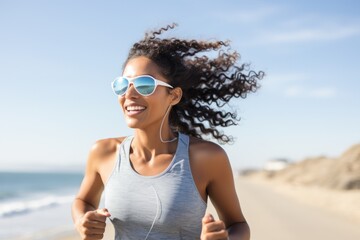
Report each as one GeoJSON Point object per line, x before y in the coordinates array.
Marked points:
{"type": "Point", "coordinates": [120, 86]}
{"type": "Point", "coordinates": [144, 85]}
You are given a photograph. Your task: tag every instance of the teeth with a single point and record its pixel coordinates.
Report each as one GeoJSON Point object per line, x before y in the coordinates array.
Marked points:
{"type": "Point", "coordinates": [135, 108]}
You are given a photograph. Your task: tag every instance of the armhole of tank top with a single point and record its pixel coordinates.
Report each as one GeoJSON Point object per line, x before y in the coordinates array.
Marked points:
{"type": "Point", "coordinates": [191, 174]}
{"type": "Point", "coordinates": [117, 161]}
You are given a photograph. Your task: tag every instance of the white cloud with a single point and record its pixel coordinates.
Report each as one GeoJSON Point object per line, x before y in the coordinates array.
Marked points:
{"type": "Point", "coordinates": [312, 34]}
{"type": "Point", "coordinates": [301, 91]}
{"type": "Point", "coordinates": [296, 85]}
{"type": "Point", "coordinates": [323, 93]}
{"type": "Point", "coordinates": [275, 26]}
{"type": "Point", "coordinates": [279, 79]}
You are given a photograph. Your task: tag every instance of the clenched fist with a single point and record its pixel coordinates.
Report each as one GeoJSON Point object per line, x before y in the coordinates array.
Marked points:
{"type": "Point", "coordinates": [213, 230]}
{"type": "Point", "coordinates": [91, 225]}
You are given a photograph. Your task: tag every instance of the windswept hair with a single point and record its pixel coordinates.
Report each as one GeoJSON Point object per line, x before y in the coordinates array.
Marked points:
{"type": "Point", "coordinates": [208, 84]}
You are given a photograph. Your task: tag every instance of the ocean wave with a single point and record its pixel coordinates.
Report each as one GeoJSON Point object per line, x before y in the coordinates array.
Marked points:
{"type": "Point", "coordinates": [7, 194]}
{"type": "Point", "coordinates": [16, 207]}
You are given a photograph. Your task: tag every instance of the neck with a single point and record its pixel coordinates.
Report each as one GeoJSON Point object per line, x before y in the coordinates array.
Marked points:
{"type": "Point", "coordinates": [148, 144]}
{"type": "Point", "coordinates": [161, 128]}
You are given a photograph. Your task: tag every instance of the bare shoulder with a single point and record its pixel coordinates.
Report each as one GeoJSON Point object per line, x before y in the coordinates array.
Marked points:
{"type": "Point", "coordinates": [207, 158]}
{"type": "Point", "coordinates": [203, 150]}
{"type": "Point", "coordinates": [105, 146]}
{"type": "Point", "coordinates": [103, 150]}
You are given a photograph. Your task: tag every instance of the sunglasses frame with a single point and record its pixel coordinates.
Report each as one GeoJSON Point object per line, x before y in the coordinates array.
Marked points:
{"type": "Point", "coordinates": [133, 79]}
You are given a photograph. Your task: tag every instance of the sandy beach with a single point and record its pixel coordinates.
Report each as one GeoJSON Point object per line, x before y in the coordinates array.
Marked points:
{"type": "Point", "coordinates": [283, 212]}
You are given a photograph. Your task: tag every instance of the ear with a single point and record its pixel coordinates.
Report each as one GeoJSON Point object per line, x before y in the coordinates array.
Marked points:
{"type": "Point", "coordinates": [176, 95]}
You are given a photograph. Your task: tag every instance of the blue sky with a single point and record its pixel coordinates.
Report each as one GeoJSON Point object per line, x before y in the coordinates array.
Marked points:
{"type": "Point", "coordinates": [57, 59]}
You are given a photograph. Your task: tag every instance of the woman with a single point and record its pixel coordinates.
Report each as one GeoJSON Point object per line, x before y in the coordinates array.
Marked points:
{"type": "Point", "coordinates": [157, 182]}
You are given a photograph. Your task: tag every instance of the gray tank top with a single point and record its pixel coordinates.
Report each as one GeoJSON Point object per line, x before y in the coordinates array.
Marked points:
{"type": "Point", "coordinates": [164, 206]}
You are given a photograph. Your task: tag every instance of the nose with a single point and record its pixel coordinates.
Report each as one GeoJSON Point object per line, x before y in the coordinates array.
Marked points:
{"type": "Point", "coordinates": [131, 91]}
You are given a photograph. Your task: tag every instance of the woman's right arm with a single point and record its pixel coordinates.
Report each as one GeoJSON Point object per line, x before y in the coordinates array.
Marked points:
{"type": "Point", "coordinates": [90, 221]}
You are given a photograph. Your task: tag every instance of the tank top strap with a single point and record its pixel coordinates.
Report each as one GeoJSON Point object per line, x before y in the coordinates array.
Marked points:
{"type": "Point", "coordinates": [182, 151]}
{"type": "Point", "coordinates": [123, 154]}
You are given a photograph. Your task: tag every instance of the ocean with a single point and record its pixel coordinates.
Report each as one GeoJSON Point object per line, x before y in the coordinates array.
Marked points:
{"type": "Point", "coordinates": [36, 205]}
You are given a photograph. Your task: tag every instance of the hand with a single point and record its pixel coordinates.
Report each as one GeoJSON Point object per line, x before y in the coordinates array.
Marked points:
{"type": "Point", "coordinates": [213, 230]}
{"type": "Point", "coordinates": [91, 225]}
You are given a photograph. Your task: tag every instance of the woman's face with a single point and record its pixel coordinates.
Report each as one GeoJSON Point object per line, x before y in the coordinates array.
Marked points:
{"type": "Point", "coordinates": [140, 111]}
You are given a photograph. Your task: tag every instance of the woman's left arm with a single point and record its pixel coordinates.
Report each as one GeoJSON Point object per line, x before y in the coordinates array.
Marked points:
{"type": "Point", "coordinates": [221, 190]}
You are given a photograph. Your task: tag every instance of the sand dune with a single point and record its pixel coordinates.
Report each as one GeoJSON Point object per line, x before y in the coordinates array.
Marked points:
{"type": "Point", "coordinates": [341, 173]}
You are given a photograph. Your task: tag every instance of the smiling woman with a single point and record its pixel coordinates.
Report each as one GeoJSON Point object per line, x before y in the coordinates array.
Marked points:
{"type": "Point", "coordinates": [157, 182]}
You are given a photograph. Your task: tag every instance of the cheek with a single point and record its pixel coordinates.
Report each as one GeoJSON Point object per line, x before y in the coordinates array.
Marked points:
{"type": "Point", "coordinates": [160, 105]}
{"type": "Point", "coordinates": [161, 95]}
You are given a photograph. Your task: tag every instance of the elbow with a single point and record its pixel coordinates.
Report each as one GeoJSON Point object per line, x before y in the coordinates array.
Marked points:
{"type": "Point", "coordinates": [239, 230]}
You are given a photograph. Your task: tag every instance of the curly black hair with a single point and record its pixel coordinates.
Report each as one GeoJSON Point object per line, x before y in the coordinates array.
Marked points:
{"type": "Point", "coordinates": [208, 84]}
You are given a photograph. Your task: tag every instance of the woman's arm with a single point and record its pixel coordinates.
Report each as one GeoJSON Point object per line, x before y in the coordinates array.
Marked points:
{"type": "Point", "coordinates": [89, 220]}
{"type": "Point", "coordinates": [221, 190]}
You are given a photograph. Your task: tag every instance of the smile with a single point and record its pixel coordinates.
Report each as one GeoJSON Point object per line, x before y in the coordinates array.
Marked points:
{"type": "Point", "coordinates": [135, 108]}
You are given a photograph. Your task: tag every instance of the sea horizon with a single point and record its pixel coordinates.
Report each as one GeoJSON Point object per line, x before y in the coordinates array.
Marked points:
{"type": "Point", "coordinates": [40, 168]}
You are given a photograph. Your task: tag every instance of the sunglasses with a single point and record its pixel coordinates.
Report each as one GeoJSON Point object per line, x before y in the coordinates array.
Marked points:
{"type": "Point", "coordinates": [145, 85]}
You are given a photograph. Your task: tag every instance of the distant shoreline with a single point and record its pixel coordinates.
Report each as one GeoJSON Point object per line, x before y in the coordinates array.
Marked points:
{"type": "Point", "coordinates": [59, 171]}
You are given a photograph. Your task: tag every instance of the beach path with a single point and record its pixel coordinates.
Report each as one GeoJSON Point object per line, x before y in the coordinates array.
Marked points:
{"type": "Point", "coordinates": [275, 216]}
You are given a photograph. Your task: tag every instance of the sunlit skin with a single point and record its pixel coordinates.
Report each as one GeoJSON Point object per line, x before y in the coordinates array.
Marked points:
{"type": "Point", "coordinates": [149, 156]}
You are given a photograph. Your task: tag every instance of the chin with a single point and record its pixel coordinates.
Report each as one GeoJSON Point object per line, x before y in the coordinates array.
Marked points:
{"type": "Point", "coordinates": [133, 123]}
